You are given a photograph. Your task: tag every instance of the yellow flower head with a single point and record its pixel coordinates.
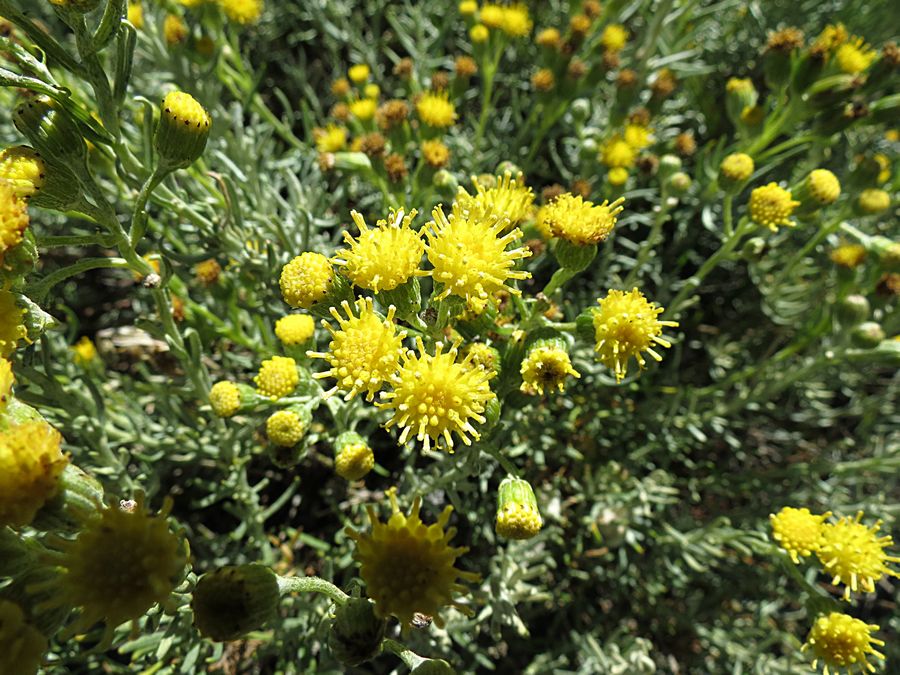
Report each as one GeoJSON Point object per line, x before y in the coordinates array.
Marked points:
{"type": "Point", "coordinates": [549, 37]}
{"type": "Point", "coordinates": [285, 428]}
{"type": "Point", "coordinates": [436, 396]}
{"type": "Point", "coordinates": [435, 153]}
{"type": "Point", "coordinates": [637, 136]}
{"type": "Point", "coordinates": [354, 458]}
{"type": "Point", "coordinates": [359, 73]}
{"type": "Point", "coordinates": [23, 169]}
{"type": "Point", "coordinates": [22, 646]}
{"type": "Point", "coordinates": [616, 152]}
{"type": "Point", "coordinates": [208, 271]}
{"type": "Point", "coordinates": [737, 167]}
{"type": "Point", "coordinates": [340, 87]}
{"type": "Point", "coordinates": [515, 20]}
{"type": "Point", "coordinates": [581, 222]}
{"type": "Point", "coordinates": [850, 256]}
{"type": "Point", "coordinates": [546, 367]}
{"type": "Point", "coordinates": [295, 329]}
{"type": "Point", "coordinates": [84, 351]}
{"type": "Point", "coordinates": [191, 4]}
{"type": "Point", "coordinates": [479, 33]}
{"type": "Point", "coordinates": [277, 377]}
{"type": "Point", "coordinates": [469, 254]}
{"type": "Point", "coordinates": [798, 531]}
{"type": "Point", "coordinates": [614, 37]}
{"type": "Point", "coordinates": [617, 176]}
{"type": "Point", "coordinates": [482, 355]}
{"type": "Point", "coordinates": [840, 641]}
{"type": "Point", "coordinates": [625, 325]}
{"type": "Point", "coordinates": [740, 85]}
{"type": "Point", "coordinates": [491, 15]}
{"type": "Point", "coordinates": [364, 352]}
{"type": "Point", "coordinates": [771, 206]}
{"type": "Point", "coordinates": [372, 90]}
{"type": "Point", "coordinates": [330, 139]}
{"type": "Point", "coordinates": [174, 30]}
{"type": "Point", "coordinates": [12, 327]}
{"type": "Point", "coordinates": [408, 566]}
{"type": "Point", "coordinates": [225, 398]}
{"type": "Point", "coordinates": [854, 57]}
{"type": "Point", "coordinates": [518, 516]}
{"type": "Point", "coordinates": [243, 12]}
{"type": "Point", "coordinates": [874, 200]}
{"type": "Point", "coordinates": [30, 465]}
{"type": "Point", "coordinates": [823, 186]}
{"type": "Point", "coordinates": [6, 382]}
{"type": "Point", "coordinates": [136, 15]}
{"type": "Point", "coordinates": [507, 198]}
{"type": "Point", "coordinates": [855, 555]}
{"type": "Point", "coordinates": [306, 280]}
{"type": "Point", "coordinates": [468, 7]}
{"type": "Point", "coordinates": [831, 37]}
{"type": "Point", "coordinates": [120, 565]}
{"type": "Point", "coordinates": [436, 110]}
{"type": "Point", "coordinates": [884, 167]}
{"type": "Point", "coordinates": [13, 217]}
{"type": "Point", "coordinates": [363, 109]}
{"type": "Point", "coordinates": [383, 257]}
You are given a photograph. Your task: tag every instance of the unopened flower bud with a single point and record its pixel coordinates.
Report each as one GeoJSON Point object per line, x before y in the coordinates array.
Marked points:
{"type": "Point", "coordinates": [852, 310]}
{"type": "Point", "coordinates": [735, 170]}
{"type": "Point", "coordinates": [888, 253]}
{"type": "Point", "coordinates": [574, 257]}
{"type": "Point", "coordinates": [517, 510]}
{"type": "Point", "coordinates": [231, 601]}
{"type": "Point", "coordinates": [356, 632]}
{"type": "Point", "coordinates": [492, 411]}
{"type": "Point", "coordinates": [873, 201]}
{"type": "Point", "coordinates": [287, 427]}
{"type": "Point", "coordinates": [183, 129]}
{"type": "Point", "coordinates": [353, 457]}
{"type": "Point", "coordinates": [50, 129]}
{"type": "Point", "coordinates": [433, 667]}
{"type": "Point", "coordinates": [228, 399]}
{"type": "Point", "coordinates": [581, 109]}
{"type": "Point", "coordinates": [679, 183]}
{"type": "Point", "coordinates": [820, 188]}
{"type": "Point", "coordinates": [668, 164]}
{"type": "Point", "coordinates": [867, 334]}
{"type": "Point", "coordinates": [740, 95]}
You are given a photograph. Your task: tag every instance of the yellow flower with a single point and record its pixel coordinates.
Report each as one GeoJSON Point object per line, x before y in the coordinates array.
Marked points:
{"type": "Point", "coordinates": [832, 36]}
{"type": "Point", "coordinates": [84, 351]}
{"type": "Point", "coordinates": [823, 186]}
{"type": "Point", "coordinates": [30, 465]}
{"type": "Point", "coordinates": [285, 428]}
{"type": "Point", "coordinates": [436, 110]}
{"type": "Point", "coordinates": [363, 109]}
{"type": "Point", "coordinates": [277, 377]}
{"type": "Point", "coordinates": [436, 396]}
{"type": "Point", "coordinates": [479, 33]}
{"type": "Point", "coordinates": [840, 641]}
{"type": "Point", "coordinates": [637, 136]}
{"type": "Point", "coordinates": [617, 176]}
{"type": "Point", "coordinates": [579, 221]}
{"type": "Point", "coordinates": [798, 531]}
{"type": "Point", "coordinates": [546, 367]}
{"type": "Point", "coordinates": [208, 271]}
{"type": "Point", "coordinates": [854, 57]}
{"type": "Point", "coordinates": [384, 257]}
{"type": "Point", "coordinates": [243, 12]}
{"type": "Point", "coordinates": [435, 153]}
{"type": "Point", "coordinates": [136, 15]}
{"type": "Point", "coordinates": [174, 30]}
{"type": "Point", "coordinates": [120, 565]}
{"type": "Point", "coordinates": [507, 198]}
{"type": "Point", "coordinates": [850, 256]}
{"type": "Point", "coordinates": [13, 217]}
{"type": "Point", "coordinates": [468, 252]}
{"type": "Point", "coordinates": [330, 139]}
{"type": "Point", "coordinates": [515, 20]}
{"type": "Point", "coordinates": [295, 329]}
{"type": "Point", "coordinates": [354, 458]}
{"type": "Point", "coordinates": [491, 15]}
{"type": "Point", "coordinates": [616, 152]}
{"type": "Point", "coordinates": [306, 280]}
{"type": "Point", "coordinates": [874, 200]}
{"type": "Point", "coordinates": [740, 85]}
{"type": "Point", "coordinates": [481, 355]}
{"type": "Point", "coordinates": [12, 327]}
{"type": "Point", "coordinates": [408, 566]}
{"type": "Point", "coordinates": [6, 382]}
{"type": "Point", "coordinates": [225, 398]}
{"type": "Point", "coordinates": [22, 646]}
{"type": "Point", "coordinates": [737, 167]}
{"type": "Point", "coordinates": [359, 73]}
{"type": "Point", "coordinates": [625, 325]}
{"type": "Point", "coordinates": [372, 90]}
{"type": "Point", "coordinates": [518, 516]}
{"type": "Point", "coordinates": [340, 87]}
{"type": "Point", "coordinates": [855, 555]}
{"type": "Point", "coordinates": [363, 353]}
{"type": "Point", "coordinates": [191, 4]}
{"type": "Point", "coordinates": [468, 7]}
{"type": "Point", "coordinates": [549, 37]}
{"type": "Point", "coordinates": [24, 169]}
{"type": "Point", "coordinates": [884, 167]}
{"type": "Point", "coordinates": [614, 37]}
{"type": "Point", "coordinates": [771, 206]}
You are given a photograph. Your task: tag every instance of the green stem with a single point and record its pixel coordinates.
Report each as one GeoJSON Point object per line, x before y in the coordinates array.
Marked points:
{"type": "Point", "coordinates": [312, 585]}
{"type": "Point", "coordinates": [815, 240]}
{"type": "Point", "coordinates": [39, 290]}
{"type": "Point", "coordinates": [139, 214]}
{"type": "Point", "coordinates": [649, 244]}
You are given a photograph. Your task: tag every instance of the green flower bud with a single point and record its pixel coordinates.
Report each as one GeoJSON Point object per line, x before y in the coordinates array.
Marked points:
{"type": "Point", "coordinates": [492, 411]}
{"type": "Point", "coordinates": [51, 130]}
{"type": "Point", "coordinates": [754, 249]}
{"type": "Point", "coordinates": [867, 335]}
{"type": "Point", "coordinates": [353, 458]}
{"type": "Point", "coordinates": [517, 510]}
{"type": "Point", "coordinates": [852, 310]}
{"type": "Point", "coordinates": [740, 95]}
{"type": "Point", "coordinates": [581, 109]}
{"type": "Point", "coordinates": [356, 632]}
{"type": "Point", "coordinates": [589, 148]}
{"type": "Point", "coordinates": [679, 183]}
{"type": "Point", "coordinates": [888, 253]}
{"type": "Point", "coordinates": [509, 167]}
{"type": "Point", "coordinates": [231, 601]}
{"type": "Point", "coordinates": [668, 164]}
{"type": "Point", "coordinates": [573, 257]}
{"type": "Point", "coordinates": [352, 161]}
{"type": "Point", "coordinates": [445, 181]}
{"type": "Point", "coordinates": [820, 188]}
{"type": "Point", "coordinates": [79, 498]}
{"type": "Point", "coordinates": [406, 298]}
{"type": "Point", "coordinates": [183, 130]}
{"type": "Point", "coordinates": [433, 667]}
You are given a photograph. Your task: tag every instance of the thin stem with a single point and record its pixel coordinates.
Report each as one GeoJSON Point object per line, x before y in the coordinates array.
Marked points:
{"type": "Point", "coordinates": [312, 585]}
{"type": "Point", "coordinates": [649, 244]}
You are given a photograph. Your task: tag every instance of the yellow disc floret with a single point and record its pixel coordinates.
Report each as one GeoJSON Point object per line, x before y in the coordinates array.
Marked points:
{"type": "Point", "coordinates": [436, 110]}
{"type": "Point", "coordinates": [737, 167]}
{"type": "Point", "coordinates": [13, 217]}
{"type": "Point", "coordinates": [625, 325]}
{"type": "Point", "coordinates": [408, 566]}
{"type": "Point", "coordinates": [363, 109]}
{"type": "Point", "coordinates": [354, 461]}
{"type": "Point", "coordinates": [507, 198]}
{"type": "Point", "coordinates": [225, 398]}
{"type": "Point", "coordinates": [285, 428]}
{"type": "Point", "coordinates": [364, 352]}
{"type": "Point", "coordinates": [359, 73]}
{"type": "Point", "coordinates": [614, 38]}
{"type": "Point", "coordinates": [6, 382]}
{"type": "Point", "coordinates": [854, 57]}
{"type": "Point", "coordinates": [840, 641]}
{"type": "Point", "coordinates": [12, 327]}
{"type": "Point", "coordinates": [30, 465]}
{"type": "Point", "coordinates": [24, 169]}
{"type": "Point", "coordinates": [243, 12]}
{"type": "Point", "coordinates": [277, 377]}
{"type": "Point", "coordinates": [874, 200]}
{"type": "Point", "coordinates": [306, 280]}
{"type": "Point", "coordinates": [295, 329]}
{"type": "Point", "coordinates": [383, 257]}
{"type": "Point", "coordinates": [84, 351]}
{"type": "Point", "coordinates": [545, 368]}
{"type": "Point", "coordinates": [435, 153]}
{"type": "Point", "coordinates": [515, 20]}
{"type": "Point", "coordinates": [823, 186]}
{"type": "Point", "coordinates": [798, 531]}
{"type": "Point", "coordinates": [437, 396]}
{"type": "Point", "coordinates": [469, 254]}
{"type": "Point", "coordinates": [855, 555]}
{"type": "Point", "coordinates": [579, 221]}
{"type": "Point", "coordinates": [850, 256]}
{"type": "Point", "coordinates": [330, 139]}
{"type": "Point", "coordinates": [772, 206]}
